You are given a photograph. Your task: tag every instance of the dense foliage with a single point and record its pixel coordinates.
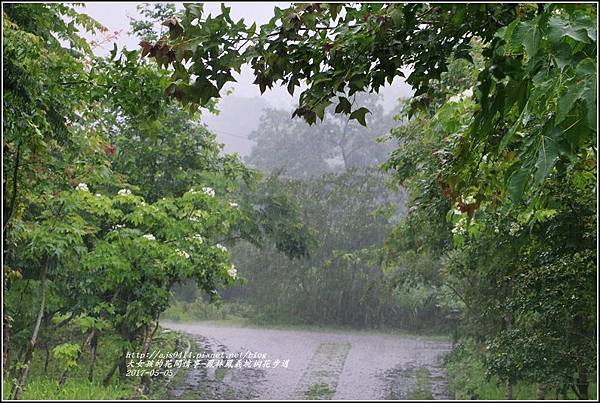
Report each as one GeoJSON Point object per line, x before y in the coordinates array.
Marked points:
{"type": "Point", "coordinates": [112, 195]}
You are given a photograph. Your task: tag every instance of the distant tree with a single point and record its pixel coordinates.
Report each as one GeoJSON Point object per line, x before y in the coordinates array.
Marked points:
{"type": "Point", "coordinates": [337, 144]}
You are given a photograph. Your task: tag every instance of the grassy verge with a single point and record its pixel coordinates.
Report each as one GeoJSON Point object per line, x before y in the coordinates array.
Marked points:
{"type": "Point", "coordinates": [45, 372]}
{"type": "Point", "coordinates": [467, 380]}
{"type": "Point", "coordinates": [241, 315]}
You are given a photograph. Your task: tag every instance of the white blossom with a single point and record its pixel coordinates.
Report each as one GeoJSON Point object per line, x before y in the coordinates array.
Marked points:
{"type": "Point", "coordinates": [470, 200]}
{"type": "Point", "coordinates": [514, 228]}
{"type": "Point", "coordinates": [150, 237]}
{"type": "Point", "coordinates": [83, 187]}
{"type": "Point", "coordinates": [209, 191]}
{"type": "Point", "coordinates": [182, 253]}
{"type": "Point", "coordinates": [468, 93]}
{"type": "Point", "coordinates": [233, 205]}
{"type": "Point", "coordinates": [232, 271]}
{"type": "Point", "coordinates": [460, 227]}
{"type": "Point", "coordinates": [221, 247]}
{"type": "Point", "coordinates": [143, 203]}
{"type": "Point", "coordinates": [124, 192]}
{"type": "Point", "coordinates": [98, 195]}
{"type": "Point", "coordinates": [198, 238]}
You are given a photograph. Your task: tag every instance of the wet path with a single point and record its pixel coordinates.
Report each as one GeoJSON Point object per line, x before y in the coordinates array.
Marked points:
{"type": "Point", "coordinates": [320, 365]}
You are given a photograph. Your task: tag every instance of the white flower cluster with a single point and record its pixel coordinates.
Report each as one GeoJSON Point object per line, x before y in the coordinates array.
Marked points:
{"type": "Point", "coordinates": [461, 227]}
{"type": "Point", "coordinates": [209, 191]}
{"type": "Point", "coordinates": [150, 237]}
{"type": "Point", "coordinates": [468, 93]}
{"type": "Point", "coordinates": [198, 238]}
{"type": "Point", "coordinates": [98, 195]}
{"type": "Point", "coordinates": [233, 205]}
{"type": "Point", "coordinates": [469, 200]}
{"type": "Point", "coordinates": [83, 187]}
{"type": "Point", "coordinates": [118, 226]}
{"type": "Point", "coordinates": [232, 272]}
{"type": "Point", "coordinates": [196, 215]}
{"type": "Point", "coordinates": [124, 192]}
{"type": "Point", "coordinates": [221, 247]}
{"type": "Point", "coordinates": [182, 253]}
{"type": "Point", "coordinates": [514, 228]}
{"type": "Point", "coordinates": [456, 210]}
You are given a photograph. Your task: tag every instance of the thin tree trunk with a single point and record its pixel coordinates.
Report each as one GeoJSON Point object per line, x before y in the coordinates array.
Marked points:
{"type": "Point", "coordinates": [509, 390]}
{"type": "Point", "coordinates": [93, 348]}
{"type": "Point", "coordinates": [22, 379]}
{"type": "Point", "coordinates": [110, 373]}
{"type": "Point", "coordinates": [7, 325]}
{"type": "Point", "coordinates": [583, 384]}
{"type": "Point", "coordinates": [47, 361]}
{"type": "Point", "coordinates": [145, 381]}
{"type": "Point", "coordinates": [541, 392]}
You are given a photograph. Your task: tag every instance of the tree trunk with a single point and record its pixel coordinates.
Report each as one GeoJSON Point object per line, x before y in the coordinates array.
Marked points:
{"type": "Point", "coordinates": [541, 392]}
{"type": "Point", "coordinates": [47, 360]}
{"type": "Point", "coordinates": [145, 381]}
{"type": "Point", "coordinates": [110, 373]}
{"type": "Point", "coordinates": [123, 365]}
{"type": "Point", "coordinates": [509, 390]}
{"type": "Point", "coordinates": [93, 347]}
{"type": "Point", "coordinates": [583, 384]}
{"type": "Point", "coordinates": [22, 379]}
{"type": "Point", "coordinates": [7, 325]}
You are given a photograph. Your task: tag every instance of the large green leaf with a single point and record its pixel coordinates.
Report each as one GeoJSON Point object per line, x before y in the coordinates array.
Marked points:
{"type": "Point", "coordinates": [359, 115]}
{"type": "Point", "coordinates": [548, 152]}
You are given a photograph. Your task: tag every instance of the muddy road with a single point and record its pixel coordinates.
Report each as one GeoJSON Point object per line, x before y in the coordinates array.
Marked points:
{"type": "Point", "coordinates": [299, 364]}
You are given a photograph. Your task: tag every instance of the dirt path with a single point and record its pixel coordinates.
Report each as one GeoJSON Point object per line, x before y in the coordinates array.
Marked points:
{"type": "Point", "coordinates": [322, 365]}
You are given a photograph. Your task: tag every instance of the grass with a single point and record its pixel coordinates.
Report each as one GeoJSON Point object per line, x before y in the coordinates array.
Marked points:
{"type": "Point", "coordinates": [49, 389]}
{"type": "Point", "coordinates": [319, 391]}
{"type": "Point", "coordinates": [241, 315]}
{"type": "Point", "coordinates": [43, 383]}
{"type": "Point", "coordinates": [422, 389]}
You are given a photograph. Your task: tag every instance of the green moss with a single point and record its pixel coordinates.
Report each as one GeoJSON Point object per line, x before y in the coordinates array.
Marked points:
{"type": "Point", "coordinates": [319, 391]}
{"type": "Point", "coordinates": [422, 389]}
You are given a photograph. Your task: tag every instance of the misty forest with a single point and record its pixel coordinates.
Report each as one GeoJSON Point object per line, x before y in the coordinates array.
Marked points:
{"type": "Point", "coordinates": [437, 244]}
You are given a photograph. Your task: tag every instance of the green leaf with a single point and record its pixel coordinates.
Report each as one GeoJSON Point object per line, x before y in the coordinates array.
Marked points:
{"type": "Point", "coordinates": [517, 183]}
{"type": "Point", "coordinates": [334, 9]}
{"type": "Point", "coordinates": [344, 106]}
{"type": "Point", "coordinates": [567, 100]}
{"type": "Point", "coordinates": [359, 115]}
{"type": "Point", "coordinates": [195, 9]}
{"type": "Point", "coordinates": [529, 33]}
{"type": "Point", "coordinates": [547, 154]}
{"type": "Point", "coordinates": [558, 28]}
